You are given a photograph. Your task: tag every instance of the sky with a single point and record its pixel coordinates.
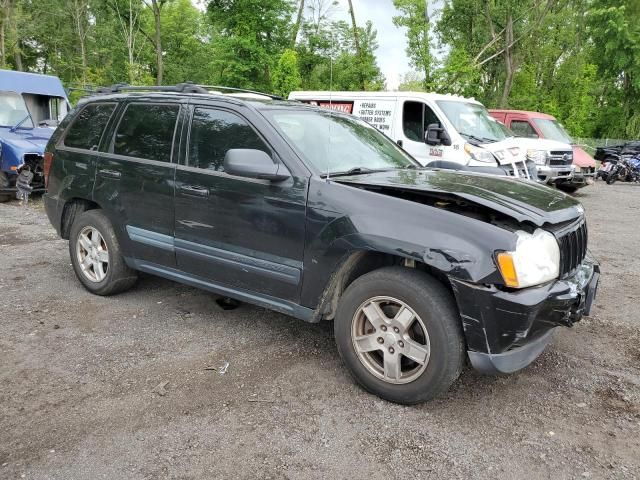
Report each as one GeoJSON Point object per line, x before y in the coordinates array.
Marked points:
{"type": "Point", "coordinates": [391, 55]}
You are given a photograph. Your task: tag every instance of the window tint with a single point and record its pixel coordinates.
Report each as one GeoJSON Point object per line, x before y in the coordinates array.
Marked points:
{"type": "Point", "coordinates": [523, 129]}
{"type": "Point", "coordinates": [416, 117]}
{"type": "Point", "coordinates": [87, 128]}
{"type": "Point", "coordinates": [146, 131]}
{"type": "Point", "coordinates": [213, 132]}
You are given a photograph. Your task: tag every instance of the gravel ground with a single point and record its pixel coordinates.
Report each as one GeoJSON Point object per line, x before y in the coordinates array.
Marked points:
{"type": "Point", "coordinates": [117, 387]}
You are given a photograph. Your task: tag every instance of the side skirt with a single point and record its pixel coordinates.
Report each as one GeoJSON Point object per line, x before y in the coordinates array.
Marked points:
{"type": "Point", "coordinates": [266, 301]}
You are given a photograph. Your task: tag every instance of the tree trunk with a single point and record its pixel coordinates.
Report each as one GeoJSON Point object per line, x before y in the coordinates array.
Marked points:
{"type": "Point", "coordinates": [3, 55]}
{"type": "Point", "coordinates": [79, 14]}
{"type": "Point", "coordinates": [296, 27]}
{"type": "Point", "coordinates": [508, 61]}
{"type": "Point", "coordinates": [356, 39]}
{"type": "Point", "coordinates": [156, 6]}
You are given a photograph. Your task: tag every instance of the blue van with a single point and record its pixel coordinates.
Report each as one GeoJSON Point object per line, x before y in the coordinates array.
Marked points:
{"type": "Point", "coordinates": [31, 106]}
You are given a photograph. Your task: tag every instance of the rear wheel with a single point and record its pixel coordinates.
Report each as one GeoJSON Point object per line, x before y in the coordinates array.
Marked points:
{"type": "Point", "coordinates": [4, 183]}
{"type": "Point", "coordinates": [613, 176]}
{"type": "Point", "coordinates": [398, 331]}
{"type": "Point", "coordinates": [96, 255]}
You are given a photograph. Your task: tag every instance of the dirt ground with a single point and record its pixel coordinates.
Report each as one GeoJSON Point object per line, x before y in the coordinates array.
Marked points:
{"type": "Point", "coordinates": [118, 387]}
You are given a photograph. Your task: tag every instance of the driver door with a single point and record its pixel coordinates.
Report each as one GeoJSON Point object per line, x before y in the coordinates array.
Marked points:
{"type": "Point", "coordinates": [416, 117]}
{"type": "Point", "coordinates": [240, 232]}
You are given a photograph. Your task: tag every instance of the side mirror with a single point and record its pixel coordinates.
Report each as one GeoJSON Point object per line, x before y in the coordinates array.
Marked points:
{"type": "Point", "coordinates": [249, 163]}
{"type": "Point", "coordinates": [436, 135]}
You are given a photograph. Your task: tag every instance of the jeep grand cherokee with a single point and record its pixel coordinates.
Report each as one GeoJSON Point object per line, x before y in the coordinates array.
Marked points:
{"type": "Point", "coordinates": [317, 215]}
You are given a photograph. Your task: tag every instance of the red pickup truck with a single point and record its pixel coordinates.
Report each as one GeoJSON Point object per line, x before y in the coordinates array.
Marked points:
{"type": "Point", "coordinates": [541, 125]}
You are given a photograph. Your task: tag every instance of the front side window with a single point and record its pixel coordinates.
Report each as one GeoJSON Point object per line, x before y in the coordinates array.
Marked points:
{"type": "Point", "coordinates": [214, 132]}
{"type": "Point", "coordinates": [13, 110]}
{"type": "Point", "coordinates": [522, 128]}
{"type": "Point", "coordinates": [147, 131]}
{"type": "Point", "coordinates": [87, 127]}
{"type": "Point", "coordinates": [416, 118]}
{"type": "Point", "coordinates": [337, 143]}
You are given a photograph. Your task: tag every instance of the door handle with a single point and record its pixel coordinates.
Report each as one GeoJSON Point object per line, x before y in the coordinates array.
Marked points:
{"type": "Point", "coordinates": [194, 190]}
{"type": "Point", "coordinates": [109, 173]}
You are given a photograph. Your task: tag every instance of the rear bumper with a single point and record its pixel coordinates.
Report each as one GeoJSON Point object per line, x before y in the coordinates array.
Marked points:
{"type": "Point", "coordinates": [53, 211]}
{"type": "Point", "coordinates": [507, 330]}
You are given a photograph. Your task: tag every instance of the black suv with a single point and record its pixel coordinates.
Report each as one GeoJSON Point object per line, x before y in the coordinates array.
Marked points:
{"type": "Point", "coordinates": [317, 215]}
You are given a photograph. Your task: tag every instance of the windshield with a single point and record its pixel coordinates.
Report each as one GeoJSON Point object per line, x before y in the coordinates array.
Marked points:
{"type": "Point", "coordinates": [13, 110]}
{"type": "Point", "coordinates": [337, 143]}
{"type": "Point", "coordinates": [506, 130]}
{"type": "Point", "coordinates": [472, 120]}
{"type": "Point", "coordinates": [552, 130]}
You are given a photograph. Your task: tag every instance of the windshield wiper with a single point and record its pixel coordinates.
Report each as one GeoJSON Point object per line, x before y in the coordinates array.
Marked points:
{"type": "Point", "coordinates": [17, 125]}
{"type": "Point", "coordinates": [352, 171]}
{"type": "Point", "coordinates": [480, 140]}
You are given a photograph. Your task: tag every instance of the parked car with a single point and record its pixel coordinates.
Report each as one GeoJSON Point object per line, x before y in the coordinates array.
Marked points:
{"type": "Point", "coordinates": [445, 131]}
{"type": "Point", "coordinates": [30, 107]}
{"type": "Point", "coordinates": [316, 214]}
{"type": "Point", "coordinates": [540, 125]}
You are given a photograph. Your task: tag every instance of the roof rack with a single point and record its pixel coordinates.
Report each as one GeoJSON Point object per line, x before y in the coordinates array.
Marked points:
{"type": "Point", "coordinates": [185, 87]}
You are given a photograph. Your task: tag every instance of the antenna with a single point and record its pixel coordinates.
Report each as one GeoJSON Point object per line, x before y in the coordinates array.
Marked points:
{"type": "Point", "coordinates": [330, 101]}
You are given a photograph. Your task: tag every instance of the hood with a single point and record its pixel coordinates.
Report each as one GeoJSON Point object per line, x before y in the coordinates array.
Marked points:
{"type": "Point", "coordinates": [522, 200]}
{"type": "Point", "coordinates": [31, 140]}
{"type": "Point", "coordinates": [582, 158]}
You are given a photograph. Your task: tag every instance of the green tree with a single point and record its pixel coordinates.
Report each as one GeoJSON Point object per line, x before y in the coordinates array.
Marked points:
{"type": "Point", "coordinates": [286, 76]}
{"type": "Point", "coordinates": [414, 16]}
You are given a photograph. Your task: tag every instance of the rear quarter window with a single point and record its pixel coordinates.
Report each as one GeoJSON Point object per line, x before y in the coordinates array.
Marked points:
{"type": "Point", "coordinates": [87, 127]}
{"type": "Point", "coordinates": [146, 131]}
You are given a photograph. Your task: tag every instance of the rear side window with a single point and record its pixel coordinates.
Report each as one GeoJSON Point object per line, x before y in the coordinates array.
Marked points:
{"type": "Point", "coordinates": [147, 131]}
{"type": "Point", "coordinates": [214, 132]}
{"type": "Point", "coordinates": [87, 127]}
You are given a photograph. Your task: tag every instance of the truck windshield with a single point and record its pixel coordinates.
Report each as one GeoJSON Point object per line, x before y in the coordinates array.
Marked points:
{"type": "Point", "coordinates": [472, 120]}
{"type": "Point", "coordinates": [552, 130]}
{"type": "Point", "coordinates": [335, 143]}
{"type": "Point", "coordinates": [13, 110]}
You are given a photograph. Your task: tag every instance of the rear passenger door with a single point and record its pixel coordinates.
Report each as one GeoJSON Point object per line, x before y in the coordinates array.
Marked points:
{"type": "Point", "coordinates": [245, 233]}
{"type": "Point", "coordinates": [135, 179]}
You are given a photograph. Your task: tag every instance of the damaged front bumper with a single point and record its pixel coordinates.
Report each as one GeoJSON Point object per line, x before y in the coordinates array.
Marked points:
{"type": "Point", "coordinates": [507, 330]}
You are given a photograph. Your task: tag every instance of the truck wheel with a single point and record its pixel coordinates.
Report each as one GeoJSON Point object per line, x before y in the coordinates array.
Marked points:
{"type": "Point", "coordinates": [96, 255]}
{"type": "Point", "coordinates": [567, 188]}
{"type": "Point", "coordinates": [398, 330]}
{"type": "Point", "coordinates": [4, 183]}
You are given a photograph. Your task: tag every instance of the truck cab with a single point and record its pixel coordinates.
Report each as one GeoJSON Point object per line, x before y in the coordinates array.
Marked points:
{"type": "Point", "coordinates": [31, 106]}
{"type": "Point", "coordinates": [536, 125]}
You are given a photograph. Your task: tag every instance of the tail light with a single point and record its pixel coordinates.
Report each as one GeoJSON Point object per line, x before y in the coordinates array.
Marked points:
{"type": "Point", "coordinates": [48, 163]}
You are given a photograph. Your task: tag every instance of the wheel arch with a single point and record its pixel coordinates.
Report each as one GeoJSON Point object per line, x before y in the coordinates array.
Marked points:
{"type": "Point", "coordinates": [70, 211]}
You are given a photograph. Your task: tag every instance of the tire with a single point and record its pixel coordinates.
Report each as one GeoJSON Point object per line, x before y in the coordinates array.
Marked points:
{"type": "Point", "coordinates": [612, 177]}
{"type": "Point", "coordinates": [435, 311]}
{"type": "Point", "coordinates": [4, 183]}
{"type": "Point", "coordinates": [567, 188]}
{"type": "Point", "coordinates": [98, 276]}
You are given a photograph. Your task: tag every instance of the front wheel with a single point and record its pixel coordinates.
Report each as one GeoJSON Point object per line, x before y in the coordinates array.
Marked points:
{"type": "Point", "coordinates": [613, 176]}
{"type": "Point", "coordinates": [398, 331]}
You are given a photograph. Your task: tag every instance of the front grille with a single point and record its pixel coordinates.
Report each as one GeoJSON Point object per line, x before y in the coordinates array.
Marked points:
{"type": "Point", "coordinates": [560, 158]}
{"type": "Point", "coordinates": [573, 247]}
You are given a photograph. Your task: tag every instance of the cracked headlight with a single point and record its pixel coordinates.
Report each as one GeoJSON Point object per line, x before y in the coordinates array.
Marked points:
{"type": "Point", "coordinates": [479, 154]}
{"type": "Point", "coordinates": [535, 260]}
{"type": "Point", "coordinates": [537, 156]}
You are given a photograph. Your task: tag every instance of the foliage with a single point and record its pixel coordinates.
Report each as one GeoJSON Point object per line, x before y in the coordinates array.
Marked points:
{"type": "Point", "coordinates": [286, 77]}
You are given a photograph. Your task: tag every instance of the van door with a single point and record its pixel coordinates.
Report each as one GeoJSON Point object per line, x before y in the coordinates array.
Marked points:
{"type": "Point", "coordinates": [415, 116]}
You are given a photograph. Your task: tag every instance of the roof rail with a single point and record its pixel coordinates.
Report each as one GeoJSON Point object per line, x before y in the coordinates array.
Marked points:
{"type": "Point", "coordinates": [185, 87]}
